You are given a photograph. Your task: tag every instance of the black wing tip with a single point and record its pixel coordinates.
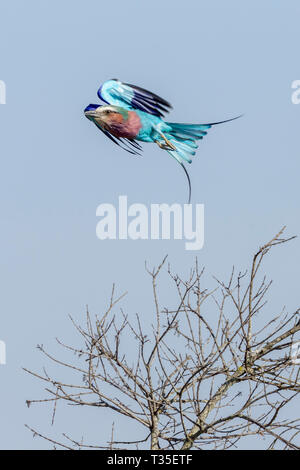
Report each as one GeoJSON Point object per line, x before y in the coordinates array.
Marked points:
{"type": "Point", "coordinates": [123, 143]}
{"type": "Point", "coordinates": [158, 98]}
{"type": "Point", "coordinates": [145, 100]}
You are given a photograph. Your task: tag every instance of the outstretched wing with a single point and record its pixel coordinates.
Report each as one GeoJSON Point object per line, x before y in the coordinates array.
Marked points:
{"type": "Point", "coordinates": [129, 96]}
{"type": "Point", "coordinates": [130, 145]}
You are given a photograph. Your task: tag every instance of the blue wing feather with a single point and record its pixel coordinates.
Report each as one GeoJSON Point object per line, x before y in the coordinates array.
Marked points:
{"type": "Point", "coordinates": [129, 96]}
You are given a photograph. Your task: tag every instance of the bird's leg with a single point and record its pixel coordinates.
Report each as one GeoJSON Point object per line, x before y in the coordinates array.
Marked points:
{"type": "Point", "coordinates": [168, 145]}
{"type": "Point", "coordinates": [162, 146]}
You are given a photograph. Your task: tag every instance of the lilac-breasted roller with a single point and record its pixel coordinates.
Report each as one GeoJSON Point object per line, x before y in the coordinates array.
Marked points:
{"type": "Point", "coordinates": [134, 114]}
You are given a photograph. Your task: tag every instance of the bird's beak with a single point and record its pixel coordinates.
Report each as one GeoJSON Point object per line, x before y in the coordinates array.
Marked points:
{"type": "Point", "coordinates": [90, 114]}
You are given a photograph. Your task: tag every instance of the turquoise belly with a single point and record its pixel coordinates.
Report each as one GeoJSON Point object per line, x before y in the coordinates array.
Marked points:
{"type": "Point", "coordinates": [147, 132]}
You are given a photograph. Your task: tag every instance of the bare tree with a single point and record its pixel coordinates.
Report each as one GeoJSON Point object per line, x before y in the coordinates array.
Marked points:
{"type": "Point", "coordinates": [212, 372]}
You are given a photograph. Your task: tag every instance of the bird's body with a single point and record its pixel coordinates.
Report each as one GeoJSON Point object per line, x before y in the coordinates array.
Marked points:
{"type": "Point", "coordinates": [147, 133]}
{"type": "Point", "coordinates": [134, 114]}
{"type": "Point", "coordinates": [120, 122]}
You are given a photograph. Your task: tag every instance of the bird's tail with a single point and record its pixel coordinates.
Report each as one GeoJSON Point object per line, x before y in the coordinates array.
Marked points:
{"type": "Point", "coordinates": [184, 138]}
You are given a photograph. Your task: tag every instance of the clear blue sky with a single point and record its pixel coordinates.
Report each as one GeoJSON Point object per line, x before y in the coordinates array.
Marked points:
{"type": "Point", "coordinates": [211, 60]}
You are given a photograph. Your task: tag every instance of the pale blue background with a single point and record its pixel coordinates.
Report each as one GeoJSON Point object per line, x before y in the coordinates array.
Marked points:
{"type": "Point", "coordinates": [212, 60]}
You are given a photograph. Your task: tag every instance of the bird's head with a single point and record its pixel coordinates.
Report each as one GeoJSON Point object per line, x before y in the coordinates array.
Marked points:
{"type": "Point", "coordinates": [105, 115]}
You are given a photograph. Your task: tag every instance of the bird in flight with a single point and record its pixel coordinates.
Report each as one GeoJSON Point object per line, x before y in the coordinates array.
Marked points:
{"type": "Point", "coordinates": [132, 115]}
